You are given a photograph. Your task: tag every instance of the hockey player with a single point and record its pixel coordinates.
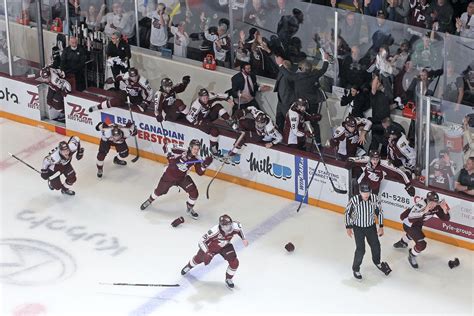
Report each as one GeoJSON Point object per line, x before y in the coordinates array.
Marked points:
{"type": "Point", "coordinates": [375, 169]}
{"type": "Point", "coordinates": [113, 135]}
{"type": "Point", "coordinates": [413, 220]}
{"type": "Point", "coordinates": [347, 139]}
{"type": "Point", "coordinates": [258, 126]}
{"type": "Point", "coordinates": [131, 85]}
{"type": "Point", "coordinates": [165, 100]}
{"type": "Point", "coordinates": [180, 160]}
{"type": "Point", "coordinates": [205, 110]}
{"type": "Point", "coordinates": [399, 151]}
{"type": "Point", "coordinates": [58, 88]}
{"type": "Point", "coordinates": [58, 162]}
{"type": "Point", "coordinates": [294, 133]}
{"type": "Point", "coordinates": [442, 171]}
{"type": "Point", "coordinates": [217, 241]}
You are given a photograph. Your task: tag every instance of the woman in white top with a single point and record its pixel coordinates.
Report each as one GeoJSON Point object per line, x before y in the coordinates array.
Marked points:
{"type": "Point", "coordinates": [159, 28]}
{"type": "Point", "coordinates": [181, 39]}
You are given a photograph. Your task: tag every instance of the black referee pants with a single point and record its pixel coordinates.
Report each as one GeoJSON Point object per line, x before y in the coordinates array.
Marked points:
{"type": "Point", "coordinates": [360, 234]}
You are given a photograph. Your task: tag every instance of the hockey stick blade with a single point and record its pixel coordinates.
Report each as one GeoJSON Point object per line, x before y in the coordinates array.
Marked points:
{"type": "Point", "coordinates": [140, 284]}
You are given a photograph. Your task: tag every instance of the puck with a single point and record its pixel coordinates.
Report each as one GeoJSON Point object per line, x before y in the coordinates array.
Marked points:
{"type": "Point", "coordinates": [290, 247]}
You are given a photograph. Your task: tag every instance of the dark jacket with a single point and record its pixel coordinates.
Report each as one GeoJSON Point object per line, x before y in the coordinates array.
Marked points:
{"type": "Point", "coordinates": [285, 90]}
{"type": "Point", "coordinates": [238, 84]}
{"type": "Point", "coordinates": [122, 51]}
{"type": "Point", "coordinates": [306, 83]}
{"type": "Point", "coordinates": [360, 103]}
{"type": "Point", "coordinates": [380, 106]}
{"type": "Point", "coordinates": [73, 61]}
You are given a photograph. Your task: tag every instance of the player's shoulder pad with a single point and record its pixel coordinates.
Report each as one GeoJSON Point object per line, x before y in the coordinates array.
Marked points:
{"type": "Point", "coordinates": [340, 130]}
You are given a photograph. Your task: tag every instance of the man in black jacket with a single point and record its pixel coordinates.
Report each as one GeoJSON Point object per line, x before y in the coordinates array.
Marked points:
{"type": "Point", "coordinates": [73, 61]}
{"type": "Point", "coordinates": [307, 86]}
{"type": "Point", "coordinates": [285, 90]}
{"type": "Point", "coordinates": [118, 55]}
{"type": "Point", "coordinates": [357, 100]}
{"type": "Point", "coordinates": [245, 87]}
{"type": "Point", "coordinates": [380, 104]}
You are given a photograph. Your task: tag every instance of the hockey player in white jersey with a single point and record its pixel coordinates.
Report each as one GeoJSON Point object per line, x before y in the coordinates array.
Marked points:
{"type": "Point", "coordinates": [399, 151]}
{"type": "Point", "coordinates": [347, 139]}
{"type": "Point", "coordinates": [58, 162]}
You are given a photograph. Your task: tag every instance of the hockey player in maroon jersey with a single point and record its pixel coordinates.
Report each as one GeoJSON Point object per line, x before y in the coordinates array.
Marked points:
{"type": "Point", "coordinates": [347, 138]}
{"type": "Point", "coordinates": [180, 160]}
{"type": "Point", "coordinates": [218, 241]}
{"type": "Point", "coordinates": [399, 151]}
{"type": "Point", "coordinates": [205, 110]}
{"type": "Point", "coordinates": [58, 162]}
{"type": "Point", "coordinates": [258, 127]}
{"type": "Point", "coordinates": [413, 220]}
{"type": "Point", "coordinates": [294, 133]}
{"type": "Point", "coordinates": [58, 88]}
{"type": "Point", "coordinates": [165, 100]}
{"type": "Point", "coordinates": [132, 85]}
{"type": "Point", "coordinates": [375, 169]}
{"type": "Point", "coordinates": [113, 135]}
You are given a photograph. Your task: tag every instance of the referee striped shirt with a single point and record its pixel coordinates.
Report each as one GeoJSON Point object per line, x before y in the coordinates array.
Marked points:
{"type": "Point", "coordinates": [362, 213]}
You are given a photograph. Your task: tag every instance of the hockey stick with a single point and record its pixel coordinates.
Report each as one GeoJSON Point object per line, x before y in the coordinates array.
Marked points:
{"type": "Point", "coordinates": [136, 140]}
{"type": "Point", "coordinates": [242, 134]}
{"type": "Point", "coordinates": [307, 187]}
{"type": "Point", "coordinates": [140, 284]}
{"type": "Point", "coordinates": [337, 190]}
{"type": "Point", "coordinates": [25, 163]}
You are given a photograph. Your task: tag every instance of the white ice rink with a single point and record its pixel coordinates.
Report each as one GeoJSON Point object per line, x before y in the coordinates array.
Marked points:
{"type": "Point", "coordinates": [56, 249]}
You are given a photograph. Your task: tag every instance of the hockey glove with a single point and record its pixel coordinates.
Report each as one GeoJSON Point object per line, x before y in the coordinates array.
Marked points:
{"type": "Point", "coordinates": [159, 117]}
{"type": "Point", "coordinates": [186, 80]}
{"type": "Point", "coordinates": [410, 189]}
{"type": "Point", "coordinates": [80, 153]}
{"type": "Point", "coordinates": [45, 174]}
{"type": "Point", "coordinates": [207, 162]}
{"type": "Point", "coordinates": [133, 130]}
{"type": "Point", "coordinates": [100, 125]}
{"type": "Point", "coordinates": [207, 258]}
{"type": "Point", "coordinates": [314, 117]}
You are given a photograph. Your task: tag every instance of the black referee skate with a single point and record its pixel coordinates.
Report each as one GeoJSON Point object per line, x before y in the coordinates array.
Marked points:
{"type": "Point", "coordinates": [357, 275]}
{"type": "Point", "coordinates": [67, 191]}
{"type": "Point", "coordinates": [229, 283]}
{"type": "Point", "coordinates": [384, 267]}
{"type": "Point", "coordinates": [400, 244]}
{"type": "Point", "coordinates": [412, 259]}
{"type": "Point", "coordinates": [120, 162]}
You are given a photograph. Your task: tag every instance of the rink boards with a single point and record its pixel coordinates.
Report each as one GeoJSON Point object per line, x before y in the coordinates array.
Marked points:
{"type": "Point", "coordinates": [255, 166]}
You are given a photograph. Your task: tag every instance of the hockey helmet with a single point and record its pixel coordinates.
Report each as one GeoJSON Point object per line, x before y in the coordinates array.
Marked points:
{"type": "Point", "coordinates": [301, 102]}
{"type": "Point", "coordinates": [194, 142]}
{"type": "Point", "coordinates": [364, 187]}
{"type": "Point", "coordinates": [225, 223]}
{"type": "Point", "coordinates": [373, 153]}
{"type": "Point", "coordinates": [260, 120]}
{"type": "Point", "coordinates": [350, 122]}
{"type": "Point", "coordinates": [45, 73]}
{"type": "Point", "coordinates": [432, 196]}
{"type": "Point", "coordinates": [203, 92]}
{"type": "Point", "coordinates": [64, 149]}
{"type": "Point", "coordinates": [166, 84]}
{"type": "Point", "coordinates": [443, 153]}
{"type": "Point", "coordinates": [392, 131]}
{"type": "Point", "coordinates": [133, 72]}
{"type": "Point", "coordinates": [116, 132]}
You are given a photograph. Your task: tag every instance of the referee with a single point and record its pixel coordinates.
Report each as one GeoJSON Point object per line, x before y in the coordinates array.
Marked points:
{"type": "Point", "coordinates": [360, 221]}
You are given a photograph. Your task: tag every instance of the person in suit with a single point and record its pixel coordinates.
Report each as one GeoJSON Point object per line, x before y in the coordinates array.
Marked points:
{"type": "Point", "coordinates": [285, 90]}
{"type": "Point", "coordinates": [245, 87]}
{"type": "Point", "coordinates": [307, 86]}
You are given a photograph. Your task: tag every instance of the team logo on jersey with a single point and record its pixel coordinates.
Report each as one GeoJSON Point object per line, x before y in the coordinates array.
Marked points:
{"type": "Point", "coordinates": [266, 166]}
{"type": "Point", "coordinates": [78, 114]}
{"type": "Point", "coordinates": [34, 101]}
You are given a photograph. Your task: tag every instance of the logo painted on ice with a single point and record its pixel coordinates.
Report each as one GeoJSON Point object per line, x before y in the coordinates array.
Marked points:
{"type": "Point", "coordinates": [33, 262]}
{"type": "Point", "coordinates": [266, 166]}
{"type": "Point", "coordinates": [34, 101]}
{"type": "Point", "coordinates": [301, 178]}
{"type": "Point", "coordinates": [78, 114]}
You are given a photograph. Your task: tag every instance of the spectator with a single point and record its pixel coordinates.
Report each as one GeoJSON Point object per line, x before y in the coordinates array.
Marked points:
{"type": "Point", "coordinates": [73, 62]}
{"type": "Point", "coordinates": [383, 67]}
{"type": "Point", "coordinates": [440, 16]}
{"type": "Point", "coordinates": [380, 109]}
{"type": "Point", "coordinates": [307, 87]}
{"type": "Point", "coordinates": [380, 32]}
{"type": "Point", "coordinates": [442, 171]}
{"type": "Point", "coordinates": [427, 53]}
{"type": "Point", "coordinates": [121, 21]}
{"type": "Point", "coordinates": [289, 25]}
{"type": "Point", "coordinates": [353, 70]}
{"type": "Point", "coordinates": [403, 80]}
{"type": "Point", "coordinates": [372, 7]}
{"type": "Point", "coordinates": [285, 90]}
{"type": "Point", "coordinates": [465, 179]}
{"type": "Point", "coordinates": [257, 14]}
{"type": "Point", "coordinates": [259, 55]}
{"type": "Point", "coordinates": [419, 13]}
{"type": "Point", "coordinates": [180, 39]}
{"type": "Point", "coordinates": [159, 28]}
{"type": "Point", "coordinates": [245, 87]}
{"type": "Point", "coordinates": [468, 136]}
{"type": "Point", "coordinates": [398, 10]}
{"type": "Point", "coordinates": [453, 88]}
{"type": "Point", "coordinates": [118, 55]}
{"type": "Point", "coordinates": [465, 23]}
{"type": "Point", "coordinates": [74, 7]}
{"type": "Point", "coordinates": [221, 43]}
{"type": "Point", "coordinates": [426, 79]}
{"type": "Point", "coordinates": [350, 29]}
{"type": "Point", "coordinates": [357, 100]}
{"type": "Point", "coordinates": [94, 18]}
